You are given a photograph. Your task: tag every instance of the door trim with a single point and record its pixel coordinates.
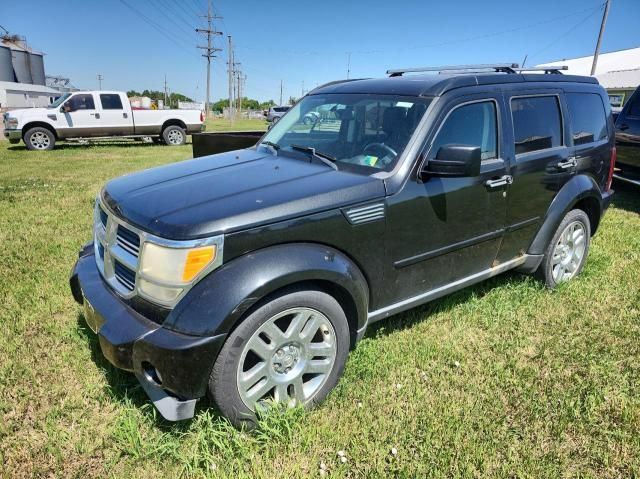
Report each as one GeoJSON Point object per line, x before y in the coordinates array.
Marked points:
{"type": "Point", "coordinates": [402, 263]}
{"type": "Point", "coordinates": [444, 290]}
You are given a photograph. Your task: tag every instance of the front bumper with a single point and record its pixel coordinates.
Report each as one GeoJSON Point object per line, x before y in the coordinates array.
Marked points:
{"type": "Point", "coordinates": [13, 135]}
{"type": "Point", "coordinates": [173, 368]}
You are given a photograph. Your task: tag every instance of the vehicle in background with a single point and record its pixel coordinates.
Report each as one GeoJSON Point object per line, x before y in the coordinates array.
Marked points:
{"type": "Point", "coordinates": [98, 114]}
{"type": "Point", "coordinates": [276, 112]}
{"type": "Point", "coordinates": [628, 141]}
{"type": "Point", "coordinates": [249, 275]}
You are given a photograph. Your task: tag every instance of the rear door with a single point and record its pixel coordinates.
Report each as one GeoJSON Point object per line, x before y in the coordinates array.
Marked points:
{"type": "Point", "coordinates": [541, 163]}
{"type": "Point", "coordinates": [115, 119]}
{"type": "Point", "coordinates": [628, 133]}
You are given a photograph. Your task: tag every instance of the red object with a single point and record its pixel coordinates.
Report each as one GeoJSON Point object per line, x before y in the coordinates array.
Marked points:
{"type": "Point", "coordinates": [202, 116]}
{"type": "Point", "coordinates": [612, 165]}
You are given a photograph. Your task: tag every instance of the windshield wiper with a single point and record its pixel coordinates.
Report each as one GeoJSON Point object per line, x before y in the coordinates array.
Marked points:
{"type": "Point", "coordinates": [273, 145]}
{"type": "Point", "coordinates": [323, 157]}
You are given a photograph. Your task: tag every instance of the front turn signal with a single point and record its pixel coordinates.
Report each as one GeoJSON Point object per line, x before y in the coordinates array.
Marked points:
{"type": "Point", "coordinates": [196, 261]}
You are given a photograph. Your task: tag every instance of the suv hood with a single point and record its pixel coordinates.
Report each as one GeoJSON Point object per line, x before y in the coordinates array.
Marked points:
{"type": "Point", "coordinates": [232, 191]}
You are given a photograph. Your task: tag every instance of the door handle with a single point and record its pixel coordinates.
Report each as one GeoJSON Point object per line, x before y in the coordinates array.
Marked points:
{"type": "Point", "coordinates": [124, 115]}
{"type": "Point", "coordinates": [565, 165]}
{"type": "Point", "coordinates": [498, 182]}
{"type": "Point", "coordinates": [97, 115]}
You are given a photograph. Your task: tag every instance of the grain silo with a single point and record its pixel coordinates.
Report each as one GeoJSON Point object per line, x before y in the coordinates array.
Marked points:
{"type": "Point", "coordinates": [21, 65]}
{"type": "Point", "coordinates": [6, 66]}
{"type": "Point", "coordinates": [36, 65]}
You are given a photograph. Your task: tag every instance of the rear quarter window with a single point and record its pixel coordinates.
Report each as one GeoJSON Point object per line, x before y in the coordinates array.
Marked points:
{"type": "Point", "coordinates": [588, 117]}
{"type": "Point", "coordinates": [537, 123]}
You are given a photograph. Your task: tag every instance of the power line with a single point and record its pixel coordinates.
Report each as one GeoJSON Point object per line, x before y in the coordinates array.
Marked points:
{"type": "Point", "coordinates": [159, 28]}
{"type": "Point", "coordinates": [174, 14]}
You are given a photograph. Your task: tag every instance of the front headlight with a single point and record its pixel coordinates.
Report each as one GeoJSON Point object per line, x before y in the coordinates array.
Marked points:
{"type": "Point", "coordinates": [11, 123]}
{"type": "Point", "coordinates": [167, 270]}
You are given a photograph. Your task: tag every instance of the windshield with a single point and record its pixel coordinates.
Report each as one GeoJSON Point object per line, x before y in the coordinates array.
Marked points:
{"type": "Point", "coordinates": [59, 101]}
{"type": "Point", "coordinates": [365, 130]}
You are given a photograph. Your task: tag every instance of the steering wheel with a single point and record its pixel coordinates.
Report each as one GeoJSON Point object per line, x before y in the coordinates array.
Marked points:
{"type": "Point", "coordinates": [386, 148]}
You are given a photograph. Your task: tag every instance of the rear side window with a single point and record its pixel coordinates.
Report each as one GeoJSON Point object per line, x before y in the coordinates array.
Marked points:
{"type": "Point", "coordinates": [110, 101]}
{"type": "Point", "coordinates": [537, 123]}
{"type": "Point", "coordinates": [474, 124]}
{"type": "Point", "coordinates": [588, 120]}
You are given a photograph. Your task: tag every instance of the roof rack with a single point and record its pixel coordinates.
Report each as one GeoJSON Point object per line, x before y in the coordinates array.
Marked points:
{"type": "Point", "coordinates": [482, 68]}
{"type": "Point", "coordinates": [550, 69]}
{"type": "Point", "coordinates": [496, 67]}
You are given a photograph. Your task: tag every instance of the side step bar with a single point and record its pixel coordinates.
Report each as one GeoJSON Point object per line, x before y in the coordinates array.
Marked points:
{"type": "Point", "coordinates": [626, 180]}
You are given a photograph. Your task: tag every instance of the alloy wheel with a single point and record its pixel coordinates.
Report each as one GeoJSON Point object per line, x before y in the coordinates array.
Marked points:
{"type": "Point", "coordinates": [288, 359]}
{"type": "Point", "coordinates": [40, 140]}
{"type": "Point", "coordinates": [568, 252]}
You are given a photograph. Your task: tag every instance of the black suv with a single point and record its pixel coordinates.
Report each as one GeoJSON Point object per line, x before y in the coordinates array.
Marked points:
{"type": "Point", "coordinates": [247, 276]}
{"type": "Point", "coordinates": [627, 127]}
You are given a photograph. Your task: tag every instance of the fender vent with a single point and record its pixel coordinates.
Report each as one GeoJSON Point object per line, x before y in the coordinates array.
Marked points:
{"type": "Point", "coordinates": [365, 214]}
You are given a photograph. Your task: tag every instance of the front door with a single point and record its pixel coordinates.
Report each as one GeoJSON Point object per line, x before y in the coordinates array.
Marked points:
{"type": "Point", "coordinates": [79, 117]}
{"type": "Point", "coordinates": [443, 229]}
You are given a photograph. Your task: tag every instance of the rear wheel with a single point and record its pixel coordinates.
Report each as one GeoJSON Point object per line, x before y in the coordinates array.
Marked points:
{"type": "Point", "coordinates": [292, 350]}
{"type": "Point", "coordinates": [174, 135]}
{"type": "Point", "coordinates": [567, 252]}
{"type": "Point", "coordinates": [39, 138]}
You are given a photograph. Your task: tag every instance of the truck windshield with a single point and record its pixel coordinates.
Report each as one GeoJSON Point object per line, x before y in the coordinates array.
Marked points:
{"type": "Point", "coordinates": [59, 101]}
{"type": "Point", "coordinates": [368, 131]}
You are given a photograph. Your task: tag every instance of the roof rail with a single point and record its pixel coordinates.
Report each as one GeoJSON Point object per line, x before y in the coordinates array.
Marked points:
{"type": "Point", "coordinates": [550, 69]}
{"type": "Point", "coordinates": [496, 67]}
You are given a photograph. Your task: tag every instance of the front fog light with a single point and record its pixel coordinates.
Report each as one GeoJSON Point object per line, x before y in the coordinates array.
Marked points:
{"type": "Point", "coordinates": [163, 294]}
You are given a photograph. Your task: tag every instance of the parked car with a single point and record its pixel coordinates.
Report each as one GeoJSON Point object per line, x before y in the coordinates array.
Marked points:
{"type": "Point", "coordinates": [97, 114]}
{"type": "Point", "coordinates": [247, 276]}
{"type": "Point", "coordinates": [627, 126]}
{"type": "Point", "coordinates": [276, 112]}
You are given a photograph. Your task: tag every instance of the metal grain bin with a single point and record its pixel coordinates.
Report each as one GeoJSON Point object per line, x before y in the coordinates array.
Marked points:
{"type": "Point", "coordinates": [36, 66]}
{"type": "Point", "coordinates": [6, 65]}
{"type": "Point", "coordinates": [21, 66]}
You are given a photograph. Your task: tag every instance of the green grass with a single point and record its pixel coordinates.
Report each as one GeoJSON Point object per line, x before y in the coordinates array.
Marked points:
{"type": "Point", "coordinates": [221, 124]}
{"type": "Point", "coordinates": [505, 379]}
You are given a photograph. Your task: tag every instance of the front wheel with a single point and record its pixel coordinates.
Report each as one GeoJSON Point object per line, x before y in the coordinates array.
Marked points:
{"type": "Point", "coordinates": [174, 135]}
{"type": "Point", "coordinates": [39, 138]}
{"type": "Point", "coordinates": [292, 350]}
{"type": "Point", "coordinates": [567, 252]}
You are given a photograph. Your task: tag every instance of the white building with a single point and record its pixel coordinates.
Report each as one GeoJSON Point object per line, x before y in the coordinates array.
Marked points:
{"type": "Point", "coordinates": [618, 72]}
{"type": "Point", "coordinates": [25, 95]}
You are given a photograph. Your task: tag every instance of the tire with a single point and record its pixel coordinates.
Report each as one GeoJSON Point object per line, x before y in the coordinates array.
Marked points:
{"type": "Point", "coordinates": [39, 139]}
{"type": "Point", "coordinates": [286, 363]}
{"type": "Point", "coordinates": [275, 120]}
{"type": "Point", "coordinates": [567, 252]}
{"type": "Point", "coordinates": [174, 135]}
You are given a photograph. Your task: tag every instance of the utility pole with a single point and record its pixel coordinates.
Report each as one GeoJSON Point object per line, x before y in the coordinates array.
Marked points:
{"type": "Point", "coordinates": [230, 75]}
{"type": "Point", "coordinates": [210, 50]}
{"type": "Point", "coordinates": [348, 64]}
{"type": "Point", "coordinates": [302, 90]}
{"type": "Point", "coordinates": [100, 78]}
{"type": "Point", "coordinates": [280, 104]}
{"type": "Point", "coordinates": [602, 26]}
{"type": "Point", "coordinates": [165, 90]}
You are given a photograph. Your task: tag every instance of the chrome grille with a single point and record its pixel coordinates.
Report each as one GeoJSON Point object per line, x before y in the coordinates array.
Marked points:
{"type": "Point", "coordinates": [128, 240]}
{"type": "Point", "coordinates": [117, 247]}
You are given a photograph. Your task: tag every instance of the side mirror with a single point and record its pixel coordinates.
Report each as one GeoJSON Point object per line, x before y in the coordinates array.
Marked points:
{"type": "Point", "coordinates": [454, 161]}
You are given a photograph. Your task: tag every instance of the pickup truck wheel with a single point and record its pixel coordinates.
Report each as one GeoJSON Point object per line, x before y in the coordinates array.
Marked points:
{"type": "Point", "coordinates": [39, 138]}
{"type": "Point", "coordinates": [174, 135]}
{"type": "Point", "coordinates": [567, 252]}
{"type": "Point", "coordinates": [292, 349]}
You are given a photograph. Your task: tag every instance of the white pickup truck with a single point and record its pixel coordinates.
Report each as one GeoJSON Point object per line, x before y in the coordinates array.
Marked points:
{"type": "Point", "coordinates": [98, 114]}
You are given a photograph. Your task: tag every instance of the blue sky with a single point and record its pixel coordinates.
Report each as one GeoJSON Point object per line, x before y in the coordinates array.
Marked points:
{"type": "Point", "coordinates": [304, 42]}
